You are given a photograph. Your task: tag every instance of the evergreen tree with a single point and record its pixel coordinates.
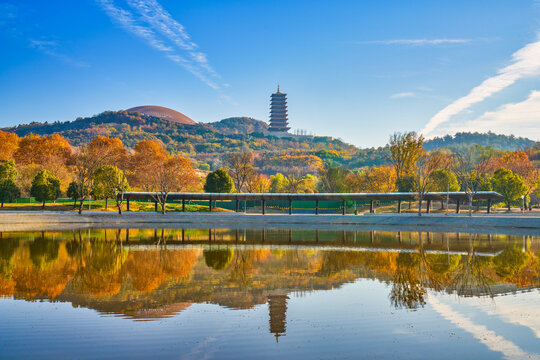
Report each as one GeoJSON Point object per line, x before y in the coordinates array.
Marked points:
{"type": "Point", "coordinates": [219, 181]}
{"type": "Point", "coordinates": [45, 187]}
{"type": "Point", "coordinates": [8, 189]}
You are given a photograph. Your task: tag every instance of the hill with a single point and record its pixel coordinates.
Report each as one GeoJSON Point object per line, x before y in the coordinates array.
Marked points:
{"type": "Point", "coordinates": [208, 144]}
{"type": "Point", "coordinates": [462, 140]}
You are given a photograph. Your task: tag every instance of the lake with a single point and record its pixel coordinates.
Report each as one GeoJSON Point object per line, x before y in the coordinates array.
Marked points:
{"type": "Point", "coordinates": [268, 293]}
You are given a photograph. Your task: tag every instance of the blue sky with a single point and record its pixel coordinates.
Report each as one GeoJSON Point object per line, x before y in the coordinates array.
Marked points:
{"type": "Point", "coordinates": [357, 70]}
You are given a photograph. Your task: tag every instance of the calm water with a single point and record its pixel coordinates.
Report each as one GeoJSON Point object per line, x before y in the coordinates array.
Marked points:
{"type": "Point", "coordinates": [222, 293]}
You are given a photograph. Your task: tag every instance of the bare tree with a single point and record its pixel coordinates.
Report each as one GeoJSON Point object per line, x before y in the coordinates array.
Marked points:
{"type": "Point", "coordinates": [470, 171]}
{"type": "Point", "coordinates": [241, 168]}
{"type": "Point", "coordinates": [422, 178]}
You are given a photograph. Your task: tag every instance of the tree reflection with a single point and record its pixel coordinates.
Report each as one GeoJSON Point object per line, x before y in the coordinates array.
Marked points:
{"type": "Point", "coordinates": [407, 290]}
{"type": "Point", "coordinates": [218, 259]}
{"type": "Point", "coordinates": [43, 251]}
{"type": "Point", "coordinates": [100, 273]}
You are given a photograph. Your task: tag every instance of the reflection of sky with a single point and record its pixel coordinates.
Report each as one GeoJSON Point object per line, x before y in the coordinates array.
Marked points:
{"type": "Point", "coordinates": [506, 324]}
{"type": "Point", "coordinates": [353, 321]}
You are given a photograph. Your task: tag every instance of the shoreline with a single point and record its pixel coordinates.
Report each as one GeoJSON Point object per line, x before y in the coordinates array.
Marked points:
{"type": "Point", "coordinates": [511, 224]}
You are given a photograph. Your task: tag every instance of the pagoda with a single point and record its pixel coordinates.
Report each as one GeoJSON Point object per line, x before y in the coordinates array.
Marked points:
{"type": "Point", "coordinates": [278, 112]}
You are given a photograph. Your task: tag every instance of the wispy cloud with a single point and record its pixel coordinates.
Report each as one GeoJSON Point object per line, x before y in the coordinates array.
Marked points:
{"type": "Point", "coordinates": [148, 20]}
{"type": "Point", "coordinates": [406, 94]}
{"type": "Point", "coordinates": [51, 48]}
{"type": "Point", "coordinates": [525, 63]}
{"type": "Point", "coordinates": [519, 119]}
{"type": "Point", "coordinates": [416, 42]}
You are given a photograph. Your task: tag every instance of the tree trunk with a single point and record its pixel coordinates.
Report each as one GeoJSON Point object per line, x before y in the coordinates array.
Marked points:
{"type": "Point", "coordinates": [420, 206]}
{"type": "Point", "coordinates": [508, 204]}
{"type": "Point", "coordinates": [106, 199]}
{"type": "Point", "coordinates": [442, 204]}
{"type": "Point", "coordinates": [74, 203]}
{"type": "Point", "coordinates": [119, 205]}
{"type": "Point", "coordinates": [43, 207]}
{"type": "Point", "coordinates": [2, 203]}
{"type": "Point", "coordinates": [81, 203]}
{"type": "Point", "coordinates": [470, 204]}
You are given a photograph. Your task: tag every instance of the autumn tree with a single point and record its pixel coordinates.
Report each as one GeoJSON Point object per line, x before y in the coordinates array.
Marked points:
{"type": "Point", "coordinates": [511, 186]}
{"type": "Point", "coordinates": [174, 173]}
{"type": "Point", "coordinates": [378, 179]}
{"type": "Point", "coordinates": [149, 154]}
{"type": "Point", "coordinates": [8, 189]}
{"type": "Point", "coordinates": [258, 183]}
{"type": "Point", "coordinates": [241, 168]}
{"type": "Point", "coordinates": [405, 151]}
{"type": "Point", "coordinates": [99, 152]}
{"type": "Point", "coordinates": [45, 187]}
{"type": "Point", "coordinates": [9, 143]}
{"type": "Point", "coordinates": [35, 149]}
{"type": "Point", "coordinates": [111, 183]}
{"type": "Point", "coordinates": [219, 181]}
{"type": "Point", "coordinates": [333, 179]}
{"type": "Point", "coordinates": [278, 183]}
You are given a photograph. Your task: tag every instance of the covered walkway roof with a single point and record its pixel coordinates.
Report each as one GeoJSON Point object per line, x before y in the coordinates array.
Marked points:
{"type": "Point", "coordinates": [395, 196]}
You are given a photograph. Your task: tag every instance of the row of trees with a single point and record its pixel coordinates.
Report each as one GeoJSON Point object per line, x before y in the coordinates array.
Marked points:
{"type": "Point", "coordinates": [412, 169]}
{"type": "Point", "coordinates": [105, 168]}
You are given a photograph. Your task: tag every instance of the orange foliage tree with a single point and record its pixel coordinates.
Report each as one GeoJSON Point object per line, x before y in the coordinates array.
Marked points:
{"type": "Point", "coordinates": [9, 143]}
{"type": "Point", "coordinates": [35, 149]}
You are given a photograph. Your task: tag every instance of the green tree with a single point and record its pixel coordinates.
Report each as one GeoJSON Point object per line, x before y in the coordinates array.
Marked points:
{"type": "Point", "coordinates": [443, 180]}
{"type": "Point", "coordinates": [110, 183]}
{"type": "Point", "coordinates": [8, 189]}
{"type": "Point", "coordinates": [219, 181]}
{"type": "Point", "coordinates": [511, 186]}
{"type": "Point", "coordinates": [73, 192]}
{"type": "Point", "coordinates": [45, 187]}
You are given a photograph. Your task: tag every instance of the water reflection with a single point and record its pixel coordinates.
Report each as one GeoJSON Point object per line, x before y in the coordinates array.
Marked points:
{"type": "Point", "coordinates": [156, 273]}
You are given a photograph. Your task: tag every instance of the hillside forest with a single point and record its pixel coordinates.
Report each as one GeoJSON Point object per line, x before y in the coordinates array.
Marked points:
{"type": "Point", "coordinates": [94, 158]}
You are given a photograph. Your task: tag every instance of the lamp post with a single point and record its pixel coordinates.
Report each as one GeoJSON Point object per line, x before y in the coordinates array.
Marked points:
{"type": "Point", "coordinates": [523, 204]}
{"type": "Point", "coordinates": [447, 196]}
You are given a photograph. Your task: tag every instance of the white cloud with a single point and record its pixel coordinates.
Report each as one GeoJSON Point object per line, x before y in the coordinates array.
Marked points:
{"type": "Point", "coordinates": [489, 338]}
{"type": "Point", "coordinates": [151, 22]}
{"type": "Point", "coordinates": [521, 119]}
{"type": "Point", "coordinates": [417, 42]}
{"type": "Point", "coordinates": [525, 63]}
{"type": "Point", "coordinates": [50, 48]}
{"type": "Point", "coordinates": [406, 94]}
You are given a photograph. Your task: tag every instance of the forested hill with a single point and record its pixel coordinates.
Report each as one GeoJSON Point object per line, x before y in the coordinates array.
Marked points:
{"type": "Point", "coordinates": [209, 143]}
{"type": "Point", "coordinates": [462, 140]}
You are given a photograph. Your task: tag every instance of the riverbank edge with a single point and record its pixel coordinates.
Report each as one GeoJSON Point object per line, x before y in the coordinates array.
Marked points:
{"type": "Point", "coordinates": [67, 220]}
